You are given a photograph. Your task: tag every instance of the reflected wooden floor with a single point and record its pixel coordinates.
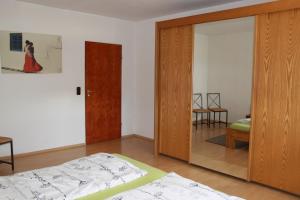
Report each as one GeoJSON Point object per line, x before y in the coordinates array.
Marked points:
{"type": "Point", "coordinates": [217, 157]}
{"type": "Point", "coordinates": [142, 150]}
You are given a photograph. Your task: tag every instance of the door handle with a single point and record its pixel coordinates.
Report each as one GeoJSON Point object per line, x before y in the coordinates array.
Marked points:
{"type": "Point", "coordinates": [89, 92]}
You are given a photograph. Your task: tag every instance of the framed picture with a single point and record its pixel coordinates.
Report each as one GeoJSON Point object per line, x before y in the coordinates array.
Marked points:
{"type": "Point", "coordinates": [30, 53]}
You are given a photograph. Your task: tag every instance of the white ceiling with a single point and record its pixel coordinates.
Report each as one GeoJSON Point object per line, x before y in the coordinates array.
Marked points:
{"type": "Point", "coordinates": [245, 24]}
{"type": "Point", "coordinates": [130, 9]}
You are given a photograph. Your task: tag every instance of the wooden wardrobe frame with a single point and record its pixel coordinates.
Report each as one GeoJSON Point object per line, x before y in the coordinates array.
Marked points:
{"type": "Point", "coordinates": [254, 10]}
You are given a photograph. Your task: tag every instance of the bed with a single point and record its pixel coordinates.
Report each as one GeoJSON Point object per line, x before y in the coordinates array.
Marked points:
{"type": "Point", "coordinates": [157, 185]}
{"type": "Point", "coordinates": [145, 182]}
{"type": "Point", "coordinates": [238, 131]}
{"type": "Point", "coordinates": [70, 180]}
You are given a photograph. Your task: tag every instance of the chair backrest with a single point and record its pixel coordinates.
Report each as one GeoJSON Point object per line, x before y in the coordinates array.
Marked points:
{"type": "Point", "coordinates": [197, 101]}
{"type": "Point", "coordinates": [213, 100]}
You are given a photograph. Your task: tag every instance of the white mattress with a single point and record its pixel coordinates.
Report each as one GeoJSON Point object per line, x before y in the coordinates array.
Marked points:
{"type": "Point", "coordinates": [70, 180]}
{"type": "Point", "coordinates": [173, 187]}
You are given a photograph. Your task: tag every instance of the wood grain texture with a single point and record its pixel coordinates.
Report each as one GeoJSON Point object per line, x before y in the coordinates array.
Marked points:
{"type": "Point", "coordinates": [157, 97]}
{"type": "Point", "coordinates": [175, 91]}
{"type": "Point", "coordinates": [276, 139]}
{"type": "Point", "coordinates": [280, 5]}
{"type": "Point", "coordinates": [103, 91]}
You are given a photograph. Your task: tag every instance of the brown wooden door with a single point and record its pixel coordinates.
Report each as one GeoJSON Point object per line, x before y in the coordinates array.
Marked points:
{"type": "Point", "coordinates": [276, 111]}
{"type": "Point", "coordinates": [175, 91]}
{"type": "Point", "coordinates": [103, 91]}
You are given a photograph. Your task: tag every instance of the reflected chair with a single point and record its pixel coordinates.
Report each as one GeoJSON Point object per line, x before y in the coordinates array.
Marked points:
{"type": "Point", "coordinates": [198, 108]}
{"type": "Point", "coordinates": [214, 105]}
{"type": "Point", "coordinates": [6, 140]}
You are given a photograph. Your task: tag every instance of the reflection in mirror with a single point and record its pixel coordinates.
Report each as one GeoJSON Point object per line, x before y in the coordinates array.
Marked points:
{"type": "Point", "coordinates": [222, 84]}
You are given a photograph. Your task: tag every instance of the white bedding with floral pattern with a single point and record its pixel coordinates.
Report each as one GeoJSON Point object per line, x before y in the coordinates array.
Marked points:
{"type": "Point", "coordinates": [70, 180]}
{"type": "Point", "coordinates": [173, 187]}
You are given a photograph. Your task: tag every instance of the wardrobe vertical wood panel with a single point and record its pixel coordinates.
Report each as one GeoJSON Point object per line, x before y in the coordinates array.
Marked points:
{"type": "Point", "coordinates": [175, 91]}
{"type": "Point", "coordinates": [276, 115]}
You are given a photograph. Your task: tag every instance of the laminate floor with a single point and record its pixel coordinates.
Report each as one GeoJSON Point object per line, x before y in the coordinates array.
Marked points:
{"type": "Point", "coordinates": [217, 157]}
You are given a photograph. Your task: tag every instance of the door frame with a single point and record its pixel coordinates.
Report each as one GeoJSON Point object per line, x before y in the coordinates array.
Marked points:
{"type": "Point", "coordinates": [246, 11]}
{"type": "Point", "coordinates": [85, 89]}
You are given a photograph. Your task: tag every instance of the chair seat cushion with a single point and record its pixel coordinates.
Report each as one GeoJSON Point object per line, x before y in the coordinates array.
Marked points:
{"type": "Point", "coordinates": [201, 110]}
{"type": "Point", "coordinates": [218, 109]}
{"type": "Point", "coordinates": [4, 140]}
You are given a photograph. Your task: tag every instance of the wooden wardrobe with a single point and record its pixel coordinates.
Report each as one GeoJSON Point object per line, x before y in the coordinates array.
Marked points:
{"type": "Point", "coordinates": [275, 133]}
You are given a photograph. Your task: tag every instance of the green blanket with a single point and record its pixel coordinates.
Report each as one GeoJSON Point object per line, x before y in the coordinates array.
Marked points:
{"type": "Point", "coordinates": [241, 125]}
{"type": "Point", "coordinates": [153, 174]}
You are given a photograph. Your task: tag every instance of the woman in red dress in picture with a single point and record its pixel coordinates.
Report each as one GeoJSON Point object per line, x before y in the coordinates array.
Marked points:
{"type": "Point", "coordinates": [30, 65]}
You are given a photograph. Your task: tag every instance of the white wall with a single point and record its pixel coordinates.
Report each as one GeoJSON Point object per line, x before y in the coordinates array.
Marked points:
{"type": "Point", "coordinates": [43, 111]}
{"type": "Point", "coordinates": [145, 42]}
{"type": "Point", "coordinates": [200, 66]}
{"type": "Point", "coordinates": [230, 64]}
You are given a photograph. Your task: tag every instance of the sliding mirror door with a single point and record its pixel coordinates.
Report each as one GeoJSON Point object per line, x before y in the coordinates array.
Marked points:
{"type": "Point", "coordinates": [222, 88]}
